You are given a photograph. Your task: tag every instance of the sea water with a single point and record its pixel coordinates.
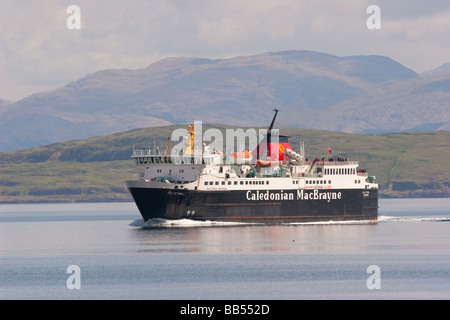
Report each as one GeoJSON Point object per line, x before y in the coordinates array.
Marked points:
{"type": "Point", "coordinates": [105, 251]}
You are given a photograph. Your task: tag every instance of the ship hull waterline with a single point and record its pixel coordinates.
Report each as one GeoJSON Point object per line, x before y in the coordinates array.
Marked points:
{"type": "Point", "coordinates": [257, 206]}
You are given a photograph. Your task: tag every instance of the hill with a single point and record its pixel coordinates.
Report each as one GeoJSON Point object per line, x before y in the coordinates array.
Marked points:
{"type": "Point", "coordinates": [94, 169]}
{"type": "Point", "coordinates": [241, 90]}
{"type": "Point", "coordinates": [419, 104]}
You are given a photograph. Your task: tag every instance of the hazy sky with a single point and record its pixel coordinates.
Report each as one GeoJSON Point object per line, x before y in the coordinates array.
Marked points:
{"type": "Point", "coordinates": [39, 52]}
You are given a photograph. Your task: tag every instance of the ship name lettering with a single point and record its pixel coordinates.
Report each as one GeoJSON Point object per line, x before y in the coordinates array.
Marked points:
{"type": "Point", "coordinates": [316, 195]}
{"type": "Point", "coordinates": [279, 195]}
{"type": "Point", "coordinates": [301, 195]}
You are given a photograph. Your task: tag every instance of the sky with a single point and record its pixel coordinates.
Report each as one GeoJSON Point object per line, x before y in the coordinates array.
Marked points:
{"type": "Point", "coordinates": [40, 50]}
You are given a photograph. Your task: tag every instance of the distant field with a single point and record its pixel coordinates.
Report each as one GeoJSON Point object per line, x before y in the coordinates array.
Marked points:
{"type": "Point", "coordinates": [405, 164]}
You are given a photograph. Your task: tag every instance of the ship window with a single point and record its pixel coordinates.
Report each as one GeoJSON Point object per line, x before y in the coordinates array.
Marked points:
{"type": "Point", "coordinates": [329, 181]}
{"type": "Point", "coordinates": [267, 182]}
{"type": "Point", "coordinates": [246, 182]}
{"type": "Point", "coordinates": [217, 183]}
{"type": "Point", "coordinates": [229, 182]}
{"type": "Point", "coordinates": [223, 182]}
{"type": "Point", "coordinates": [206, 183]}
{"type": "Point", "coordinates": [235, 182]}
{"type": "Point", "coordinates": [241, 182]}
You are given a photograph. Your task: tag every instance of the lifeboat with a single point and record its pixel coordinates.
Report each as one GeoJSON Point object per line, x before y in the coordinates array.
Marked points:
{"type": "Point", "coordinates": [244, 156]}
{"type": "Point", "coordinates": [267, 163]}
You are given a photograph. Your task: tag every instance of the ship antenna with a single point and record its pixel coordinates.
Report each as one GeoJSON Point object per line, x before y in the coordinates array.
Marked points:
{"type": "Point", "coordinates": [273, 120]}
{"type": "Point", "coordinates": [269, 132]}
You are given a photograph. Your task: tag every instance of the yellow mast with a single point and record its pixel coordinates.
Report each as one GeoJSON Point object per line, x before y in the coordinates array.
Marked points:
{"type": "Point", "coordinates": [190, 142]}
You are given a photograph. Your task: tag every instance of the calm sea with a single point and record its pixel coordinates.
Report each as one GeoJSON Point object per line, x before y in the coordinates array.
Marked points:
{"type": "Point", "coordinates": [104, 251]}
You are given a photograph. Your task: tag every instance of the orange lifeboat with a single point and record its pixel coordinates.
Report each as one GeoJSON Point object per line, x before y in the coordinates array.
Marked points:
{"type": "Point", "coordinates": [267, 163]}
{"type": "Point", "coordinates": [246, 156]}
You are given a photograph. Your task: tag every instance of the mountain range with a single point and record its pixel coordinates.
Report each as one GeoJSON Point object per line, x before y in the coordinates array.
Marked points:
{"type": "Point", "coordinates": [354, 94]}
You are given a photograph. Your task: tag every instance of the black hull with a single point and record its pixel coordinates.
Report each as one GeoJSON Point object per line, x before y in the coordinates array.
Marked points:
{"type": "Point", "coordinates": [263, 206]}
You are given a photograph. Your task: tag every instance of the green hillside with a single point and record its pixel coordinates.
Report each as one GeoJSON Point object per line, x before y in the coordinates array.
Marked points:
{"type": "Point", "coordinates": [405, 164]}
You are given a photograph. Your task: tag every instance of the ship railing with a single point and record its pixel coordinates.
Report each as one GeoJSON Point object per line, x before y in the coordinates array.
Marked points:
{"type": "Point", "coordinates": [333, 163]}
{"type": "Point", "coordinates": [142, 152]}
{"type": "Point", "coordinates": [144, 157]}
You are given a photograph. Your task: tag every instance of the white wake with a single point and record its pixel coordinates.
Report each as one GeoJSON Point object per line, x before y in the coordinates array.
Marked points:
{"type": "Point", "coordinates": [412, 219]}
{"type": "Point", "coordinates": [165, 223]}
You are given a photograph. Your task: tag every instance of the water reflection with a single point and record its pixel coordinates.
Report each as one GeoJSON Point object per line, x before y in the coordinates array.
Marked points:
{"type": "Point", "coordinates": [257, 238]}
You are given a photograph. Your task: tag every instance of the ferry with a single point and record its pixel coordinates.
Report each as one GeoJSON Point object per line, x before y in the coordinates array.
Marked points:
{"type": "Point", "coordinates": [272, 184]}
